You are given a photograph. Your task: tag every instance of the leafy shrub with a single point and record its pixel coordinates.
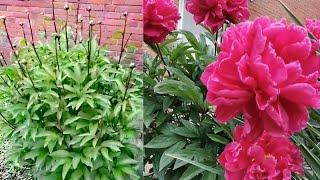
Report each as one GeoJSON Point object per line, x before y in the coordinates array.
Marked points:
{"type": "Point", "coordinates": [182, 141]}
{"type": "Point", "coordinates": [70, 111]}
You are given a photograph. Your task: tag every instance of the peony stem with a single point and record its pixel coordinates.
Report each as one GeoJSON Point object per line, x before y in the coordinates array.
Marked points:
{"type": "Point", "coordinates": [54, 17]}
{"type": "Point", "coordinates": [4, 60]}
{"type": "Point", "coordinates": [23, 31]}
{"type": "Point", "coordinates": [81, 29]}
{"type": "Point", "coordinates": [91, 24]}
{"type": "Point", "coordinates": [132, 66]}
{"type": "Point", "coordinates": [162, 59]}
{"type": "Point", "coordinates": [7, 122]}
{"type": "Point", "coordinates": [56, 38]}
{"type": "Point", "coordinates": [32, 39]}
{"type": "Point", "coordinates": [34, 87]}
{"type": "Point", "coordinates": [125, 14]}
{"type": "Point", "coordinates": [13, 50]}
{"type": "Point", "coordinates": [77, 22]}
{"type": "Point", "coordinates": [66, 26]}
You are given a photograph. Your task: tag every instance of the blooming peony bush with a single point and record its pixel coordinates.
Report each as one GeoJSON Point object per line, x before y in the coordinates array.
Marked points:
{"type": "Point", "coordinates": [262, 87]}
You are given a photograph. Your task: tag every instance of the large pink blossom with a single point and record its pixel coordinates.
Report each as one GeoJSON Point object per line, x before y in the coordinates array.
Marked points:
{"type": "Point", "coordinates": [268, 157]}
{"type": "Point", "coordinates": [265, 71]}
{"type": "Point", "coordinates": [160, 18]}
{"type": "Point", "coordinates": [213, 13]}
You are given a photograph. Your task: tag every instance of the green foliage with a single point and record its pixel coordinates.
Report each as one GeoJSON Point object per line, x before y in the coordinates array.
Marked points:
{"type": "Point", "coordinates": [182, 140]}
{"type": "Point", "coordinates": [68, 123]}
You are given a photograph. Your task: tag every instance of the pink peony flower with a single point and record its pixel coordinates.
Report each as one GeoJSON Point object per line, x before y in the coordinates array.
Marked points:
{"type": "Point", "coordinates": [213, 13]}
{"type": "Point", "coordinates": [210, 12]}
{"type": "Point", "coordinates": [237, 10]}
{"type": "Point", "coordinates": [265, 71]}
{"type": "Point", "coordinates": [267, 157]}
{"type": "Point", "coordinates": [313, 26]}
{"type": "Point", "coordinates": [160, 18]}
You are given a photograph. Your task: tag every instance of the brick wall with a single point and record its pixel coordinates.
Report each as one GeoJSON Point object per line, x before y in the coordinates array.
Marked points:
{"type": "Point", "coordinates": [107, 11]}
{"type": "Point", "coordinates": [302, 9]}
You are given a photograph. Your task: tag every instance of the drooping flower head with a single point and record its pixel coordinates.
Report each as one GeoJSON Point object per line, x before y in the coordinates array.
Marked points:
{"type": "Point", "coordinates": [160, 18]}
{"type": "Point", "coordinates": [265, 71]}
{"type": "Point", "coordinates": [213, 13]}
{"type": "Point", "coordinates": [267, 157]}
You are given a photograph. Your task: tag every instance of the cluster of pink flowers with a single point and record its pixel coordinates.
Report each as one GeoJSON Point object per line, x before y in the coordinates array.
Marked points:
{"type": "Point", "coordinates": [213, 13]}
{"type": "Point", "coordinates": [160, 19]}
{"type": "Point", "coordinates": [267, 157]}
{"type": "Point", "coordinates": [268, 71]}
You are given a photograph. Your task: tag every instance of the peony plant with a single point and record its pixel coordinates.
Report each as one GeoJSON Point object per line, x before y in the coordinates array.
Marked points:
{"type": "Point", "coordinates": [251, 109]}
{"type": "Point", "coordinates": [67, 110]}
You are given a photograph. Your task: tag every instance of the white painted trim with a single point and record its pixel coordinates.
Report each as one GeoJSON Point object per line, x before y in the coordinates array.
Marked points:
{"type": "Point", "coordinates": [181, 11]}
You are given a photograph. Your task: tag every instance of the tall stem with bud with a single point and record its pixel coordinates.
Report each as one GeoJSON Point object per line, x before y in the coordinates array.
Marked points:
{"type": "Point", "coordinates": [66, 7]}
{"type": "Point", "coordinates": [77, 22]}
{"type": "Point", "coordinates": [32, 39]}
{"type": "Point", "coordinates": [23, 31]}
{"type": "Point", "coordinates": [100, 35]}
{"type": "Point", "coordinates": [54, 17]}
{"type": "Point", "coordinates": [91, 24]}
{"type": "Point", "coordinates": [125, 14]}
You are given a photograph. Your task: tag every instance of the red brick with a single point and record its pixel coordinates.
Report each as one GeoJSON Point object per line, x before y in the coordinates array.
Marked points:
{"type": "Point", "coordinates": [108, 11]}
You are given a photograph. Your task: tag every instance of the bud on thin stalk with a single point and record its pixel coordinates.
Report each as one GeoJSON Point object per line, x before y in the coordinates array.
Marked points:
{"type": "Point", "coordinates": [54, 17]}
{"type": "Point", "coordinates": [32, 39]}
{"type": "Point", "coordinates": [91, 24]}
{"type": "Point", "coordinates": [77, 21]}
{"type": "Point", "coordinates": [11, 45]}
{"type": "Point", "coordinates": [81, 29]}
{"type": "Point", "coordinates": [66, 7]}
{"type": "Point", "coordinates": [23, 31]}
{"type": "Point", "coordinates": [125, 14]}
{"type": "Point", "coordinates": [100, 36]}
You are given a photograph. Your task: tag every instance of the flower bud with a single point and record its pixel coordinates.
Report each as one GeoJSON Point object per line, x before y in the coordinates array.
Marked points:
{"type": "Point", "coordinates": [132, 65]}
{"type": "Point", "coordinates": [66, 7]}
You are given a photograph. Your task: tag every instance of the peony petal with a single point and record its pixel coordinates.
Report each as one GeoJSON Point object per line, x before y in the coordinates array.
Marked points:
{"type": "Point", "coordinates": [226, 113]}
{"type": "Point", "coordinates": [301, 93]}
